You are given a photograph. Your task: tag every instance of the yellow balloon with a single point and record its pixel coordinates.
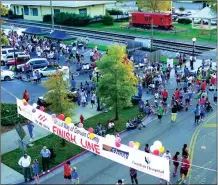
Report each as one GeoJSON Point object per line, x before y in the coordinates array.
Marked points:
{"type": "Point", "coordinates": [91, 135]}
{"type": "Point", "coordinates": [68, 120]}
{"type": "Point", "coordinates": [23, 100]}
{"type": "Point", "coordinates": [137, 144]}
{"type": "Point", "coordinates": [161, 149]}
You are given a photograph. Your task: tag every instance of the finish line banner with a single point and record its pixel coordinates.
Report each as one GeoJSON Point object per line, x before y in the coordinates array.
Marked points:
{"type": "Point", "coordinates": [103, 146]}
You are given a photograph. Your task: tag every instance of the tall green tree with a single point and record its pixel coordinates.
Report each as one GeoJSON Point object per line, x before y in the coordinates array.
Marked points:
{"type": "Point", "coordinates": [3, 10]}
{"type": "Point", "coordinates": [4, 40]}
{"type": "Point", "coordinates": [117, 83]}
{"type": "Point", "coordinates": [154, 5]}
{"type": "Point", "coordinates": [58, 97]}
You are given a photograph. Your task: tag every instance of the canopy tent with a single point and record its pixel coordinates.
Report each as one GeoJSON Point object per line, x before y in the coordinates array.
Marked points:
{"type": "Point", "coordinates": [34, 31]}
{"type": "Point", "coordinates": [205, 13]}
{"type": "Point", "coordinates": [60, 35]}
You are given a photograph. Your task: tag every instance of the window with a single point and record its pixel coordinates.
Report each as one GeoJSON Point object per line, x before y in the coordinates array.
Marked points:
{"type": "Point", "coordinates": [26, 10]}
{"type": "Point", "coordinates": [57, 11]}
{"type": "Point", "coordinates": [34, 11]}
{"type": "Point", "coordinates": [83, 11]}
{"type": "Point", "coordinates": [17, 10]}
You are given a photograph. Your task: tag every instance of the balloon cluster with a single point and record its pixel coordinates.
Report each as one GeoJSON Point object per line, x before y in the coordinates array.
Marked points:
{"type": "Point", "coordinates": [91, 132]}
{"type": "Point", "coordinates": [157, 148]}
{"type": "Point", "coordinates": [24, 102]}
{"type": "Point", "coordinates": [117, 141]}
{"type": "Point", "coordinates": [133, 144]}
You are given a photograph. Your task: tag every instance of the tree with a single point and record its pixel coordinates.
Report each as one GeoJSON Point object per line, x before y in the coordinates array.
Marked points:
{"type": "Point", "coordinates": [4, 40]}
{"type": "Point", "coordinates": [4, 10]}
{"type": "Point", "coordinates": [213, 6]}
{"type": "Point", "coordinates": [58, 97]}
{"type": "Point", "coordinates": [181, 9]}
{"type": "Point", "coordinates": [154, 5]}
{"type": "Point", "coordinates": [117, 83]}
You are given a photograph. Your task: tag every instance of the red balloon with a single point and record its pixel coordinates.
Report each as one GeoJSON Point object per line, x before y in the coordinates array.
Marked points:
{"type": "Point", "coordinates": [61, 117]}
{"type": "Point", "coordinates": [25, 103]}
{"type": "Point", "coordinates": [42, 108]}
{"type": "Point", "coordinates": [91, 130]}
{"type": "Point", "coordinates": [156, 152]}
{"type": "Point", "coordinates": [117, 144]}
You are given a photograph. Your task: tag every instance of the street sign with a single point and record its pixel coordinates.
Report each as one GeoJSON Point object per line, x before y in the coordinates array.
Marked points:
{"type": "Point", "coordinates": [20, 131]}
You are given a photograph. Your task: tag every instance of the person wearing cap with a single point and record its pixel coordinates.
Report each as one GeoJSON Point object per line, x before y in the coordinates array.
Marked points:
{"type": "Point", "coordinates": [25, 163]}
{"type": "Point", "coordinates": [45, 153]}
{"type": "Point", "coordinates": [74, 175]}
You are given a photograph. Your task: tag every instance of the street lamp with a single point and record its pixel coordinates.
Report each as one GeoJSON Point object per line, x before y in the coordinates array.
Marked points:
{"type": "Point", "coordinates": [193, 54]}
{"type": "Point", "coordinates": [98, 100]}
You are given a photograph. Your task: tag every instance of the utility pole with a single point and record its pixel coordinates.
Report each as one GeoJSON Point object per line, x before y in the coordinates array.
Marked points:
{"type": "Point", "coordinates": [52, 15]}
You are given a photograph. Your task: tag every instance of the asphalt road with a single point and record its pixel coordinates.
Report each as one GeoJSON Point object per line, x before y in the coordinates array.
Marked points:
{"type": "Point", "coordinates": [94, 169]}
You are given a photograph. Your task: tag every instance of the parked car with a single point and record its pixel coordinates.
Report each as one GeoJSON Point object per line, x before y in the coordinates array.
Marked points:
{"type": "Point", "coordinates": [37, 63]}
{"type": "Point", "coordinates": [53, 70]}
{"type": "Point", "coordinates": [5, 52]}
{"type": "Point", "coordinates": [21, 59]}
{"type": "Point", "coordinates": [72, 96]}
{"type": "Point", "coordinates": [7, 75]}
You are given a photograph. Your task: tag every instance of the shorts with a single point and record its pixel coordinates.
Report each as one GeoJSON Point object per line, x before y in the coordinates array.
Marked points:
{"type": "Point", "coordinates": [164, 99]}
{"type": "Point", "coordinates": [197, 117]}
{"type": "Point", "coordinates": [159, 116]}
{"type": "Point", "coordinates": [36, 174]}
{"type": "Point", "coordinates": [92, 101]}
{"type": "Point", "coordinates": [187, 100]}
{"type": "Point", "coordinates": [215, 99]}
{"type": "Point", "coordinates": [182, 171]}
{"type": "Point", "coordinates": [67, 177]}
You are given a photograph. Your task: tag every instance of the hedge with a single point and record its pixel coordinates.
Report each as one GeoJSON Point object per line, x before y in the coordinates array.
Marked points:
{"type": "Point", "coordinates": [184, 21]}
{"type": "Point", "coordinates": [72, 19]}
{"type": "Point", "coordinates": [47, 18]}
{"type": "Point", "coordinates": [108, 20]}
{"type": "Point", "coordinates": [9, 115]}
{"type": "Point", "coordinates": [115, 12]}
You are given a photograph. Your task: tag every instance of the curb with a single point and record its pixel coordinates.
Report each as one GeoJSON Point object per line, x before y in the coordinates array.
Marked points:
{"type": "Point", "coordinates": [76, 156]}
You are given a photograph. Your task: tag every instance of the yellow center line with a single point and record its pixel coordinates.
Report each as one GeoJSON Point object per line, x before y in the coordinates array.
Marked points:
{"type": "Point", "coordinates": [210, 125]}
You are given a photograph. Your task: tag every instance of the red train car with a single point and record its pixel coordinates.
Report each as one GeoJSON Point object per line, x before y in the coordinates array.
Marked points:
{"type": "Point", "coordinates": [144, 19]}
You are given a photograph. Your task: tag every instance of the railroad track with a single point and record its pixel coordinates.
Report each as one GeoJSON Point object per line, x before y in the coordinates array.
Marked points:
{"type": "Point", "coordinates": [115, 37]}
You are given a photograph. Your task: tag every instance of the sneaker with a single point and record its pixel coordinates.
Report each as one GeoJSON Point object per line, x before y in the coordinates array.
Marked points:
{"type": "Point", "coordinates": [31, 139]}
{"type": "Point", "coordinates": [34, 136]}
{"type": "Point", "coordinates": [48, 171]}
{"type": "Point", "coordinates": [179, 180]}
{"type": "Point", "coordinates": [43, 173]}
{"type": "Point", "coordinates": [184, 182]}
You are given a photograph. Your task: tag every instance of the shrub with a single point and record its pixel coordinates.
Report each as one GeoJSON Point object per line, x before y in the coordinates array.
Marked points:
{"type": "Point", "coordinates": [72, 19]}
{"type": "Point", "coordinates": [181, 8]}
{"type": "Point", "coordinates": [115, 12]}
{"type": "Point", "coordinates": [184, 21]}
{"type": "Point", "coordinates": [47, 18]}
{"type": "Point", "coordinates": [108, 20]}
{"type": "Point", "coordinates": [9, 115]}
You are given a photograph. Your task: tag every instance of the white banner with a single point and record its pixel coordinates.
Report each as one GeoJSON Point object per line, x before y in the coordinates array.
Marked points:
{"type": "Point", "coordinates": [139, 160]}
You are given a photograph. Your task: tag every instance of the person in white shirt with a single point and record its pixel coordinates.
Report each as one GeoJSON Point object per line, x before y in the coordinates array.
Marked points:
{"type": "Point", "coordinates": [111, 125]}
{"type": "Point", "coordinates": [167, 155]}
{"type": "Point", "coordinates": [25, 163]}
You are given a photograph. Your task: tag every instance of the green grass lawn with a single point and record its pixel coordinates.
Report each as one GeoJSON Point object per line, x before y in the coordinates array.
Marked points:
{"type": "Point", "coordinates": [182, 36]}
{"type": "Point", "coordinates": [163, 59]}
{"type": "Point", "coordinates": [70, 150]}
{"type": "Point", "coordinates": [100, 47]}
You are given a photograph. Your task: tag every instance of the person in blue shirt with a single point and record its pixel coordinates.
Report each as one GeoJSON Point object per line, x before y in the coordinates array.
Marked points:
{"type": "Point", "coordinates": [35, 167]}
{"type": "Point", "coordinates": [140, 91]}
{"type": "Point", "coordinates": [45, 153]}
{"type": "Point", "coordinates": [30, 127]}
{"type": "Point", "coordinates": [197, 113]}
{"type": "Point", "coordinates": [75, 176]}
{"type": "Point", "coordinates": [73, 84]}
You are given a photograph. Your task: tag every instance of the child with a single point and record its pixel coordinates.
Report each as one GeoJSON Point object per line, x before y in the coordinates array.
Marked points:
{"type": "Point", "coordinates": [35, 167]}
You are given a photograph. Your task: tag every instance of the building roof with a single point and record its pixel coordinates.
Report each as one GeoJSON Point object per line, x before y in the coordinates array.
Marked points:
{"type": "Point", "coordinates": [72, 4]}
{"type": "Point", "coordinates": [205, 13]}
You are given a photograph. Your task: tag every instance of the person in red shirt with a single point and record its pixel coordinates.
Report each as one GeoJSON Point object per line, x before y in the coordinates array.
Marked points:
{"type": "Point", "coordinates": [164, 95]}
{"type": "Point", "coordinates": [185, 165]}
{"type": "Point", "coordinates": [176, 94]}
{"type": "Point", "coordinates": [203, 86]}
{"type": "Point", "coordinates": [67, 172]}
{"type": "Point", "coordinates": [81, 119]}
{"type": "Point", "coordinates": [26, 96]}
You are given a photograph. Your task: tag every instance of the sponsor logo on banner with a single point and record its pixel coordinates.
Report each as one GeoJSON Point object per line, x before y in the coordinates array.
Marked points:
{"type": "Point", "coordinates": [116, 151]}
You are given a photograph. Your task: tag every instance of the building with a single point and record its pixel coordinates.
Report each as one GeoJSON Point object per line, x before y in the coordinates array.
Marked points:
{"type": "Point", "coordinates": [35, 10]}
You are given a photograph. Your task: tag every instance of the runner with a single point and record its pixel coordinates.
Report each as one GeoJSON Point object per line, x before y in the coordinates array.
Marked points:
{"type": "Point", "coordinates": [160, 112]}
{"type": "Point", "coordinates": [67, 172]}
{"type": "Point", "coordinates": [174, 113]}
{"type": "Point", "coordinates": [133, 175]}
{"type": "Point", "coordinates": [197, 114]}
{"type": "Point", "coordinates": [184, 169]}
{"type": "Point", "coordinates": [175, 163]}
